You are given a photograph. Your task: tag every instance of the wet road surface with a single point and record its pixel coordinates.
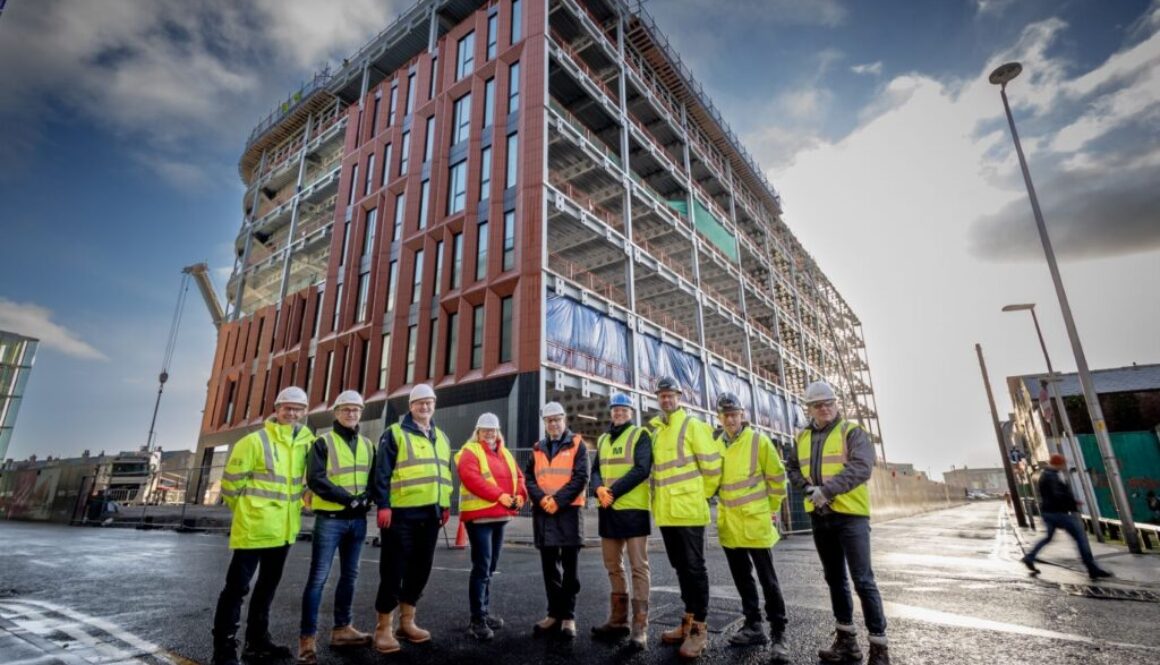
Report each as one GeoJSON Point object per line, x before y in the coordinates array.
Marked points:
{"type": "Point", "coordinates": [954, 591]}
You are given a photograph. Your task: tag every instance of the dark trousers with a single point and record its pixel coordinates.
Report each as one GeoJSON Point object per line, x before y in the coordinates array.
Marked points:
{"type": "Point", "coordinates": [486, 541]}
{"type": "Point", "coordinates": [561, 580]}
{"type": "Point", "coordinates": [685, 546]}
{"type": "Point", "coordinates": [1074, 528]}
{"type": "Point", "coordinates": [268, 562]}
{"type": "Point", "coordinates": [405, 562]}
{"type": "Point", "coordinates": [332, 534]}
{"type": "Point", "coordinates": [844, 541]}
{"type": "Point", "coordinates": [742, 561]}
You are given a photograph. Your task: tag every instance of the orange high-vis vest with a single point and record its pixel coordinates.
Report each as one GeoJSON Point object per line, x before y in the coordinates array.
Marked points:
{"type": "Point", "coordinates": [554, 475]}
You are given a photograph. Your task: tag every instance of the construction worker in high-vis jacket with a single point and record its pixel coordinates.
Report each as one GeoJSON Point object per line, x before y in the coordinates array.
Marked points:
{"type": "Point", "coordinates": [686, 472]}
{"type": "Point", "coordinates": [834, 460]}
{"type": "Point", "coordinates": [262, 484]}
{"type": "Point", "coordinates": [750, 496]}
{"type": "Point", "coordinates": [411, 484]}
{"type": "Point", "coordinates": [620, 475]}
{"type": "Point", "coordinates": [337, 474]}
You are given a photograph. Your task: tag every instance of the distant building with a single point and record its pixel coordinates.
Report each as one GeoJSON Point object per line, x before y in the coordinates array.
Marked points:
{"type": "Point", "coordinates": [17, 354]}
{"type": "Point", "coordinates": [991, 481]}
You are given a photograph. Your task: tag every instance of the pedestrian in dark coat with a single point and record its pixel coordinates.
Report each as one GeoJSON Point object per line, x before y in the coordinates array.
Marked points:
{"type": "Point", "coordinates": [556, 476]}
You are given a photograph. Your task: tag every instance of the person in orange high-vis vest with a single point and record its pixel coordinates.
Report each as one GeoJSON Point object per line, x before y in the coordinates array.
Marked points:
{"type": "Point", "coordinates": [556, 476]}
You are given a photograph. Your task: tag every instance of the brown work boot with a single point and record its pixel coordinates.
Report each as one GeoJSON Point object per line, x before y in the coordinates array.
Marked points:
{"type": "Point", "coordinates": [844, 648]}
{"type": "Point", "coordinates": [307, 654]}
{"type": "Point", "coordinates": [545, 626]}
{"type": "Point", "coordinates": [385, 641]}
{"type": "Point", "coordinates": [617, 625]}
{"type": "Point", "coordinates": [694, 645]}
{"type": "Point", "coordinates": [347, 636]}
{"type": "Point", "coordinates": [879, 654]}
{"type": "Point", "coordinates": [677, 635]}
{"type": "Point", "coordinates": [407, 628]}
{"type": "Point", "coordinates": [639, 635]}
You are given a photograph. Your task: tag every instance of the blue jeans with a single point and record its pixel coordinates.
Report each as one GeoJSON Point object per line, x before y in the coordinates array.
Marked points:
{"type": "Point", "coordinates": [1071, 524]}
{"type": "Point", "coordinates": [486, 542]}
{"type": "Point", "coordinates": [844, 541]}
{"type": "Point", "coordinates": [330, 534]}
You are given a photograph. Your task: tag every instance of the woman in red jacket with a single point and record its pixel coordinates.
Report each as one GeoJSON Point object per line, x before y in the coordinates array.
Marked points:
{"type": "Point", "coordinates": [491, 492]}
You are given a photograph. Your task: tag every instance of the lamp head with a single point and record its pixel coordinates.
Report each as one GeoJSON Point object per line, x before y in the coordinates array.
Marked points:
{"type": "Point", "coordinates": [1005, 72]}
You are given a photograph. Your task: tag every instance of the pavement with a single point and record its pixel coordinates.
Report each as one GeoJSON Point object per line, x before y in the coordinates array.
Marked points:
{"type": "Point", "coordinates": [954, 589]}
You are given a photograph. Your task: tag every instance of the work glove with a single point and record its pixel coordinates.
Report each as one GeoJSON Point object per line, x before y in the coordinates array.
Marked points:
{"type": "Point", "coordinates": [507, 501]}
{"type": "Point", "coordinates": [384, 518]}
{"type": "Point", "coordinates": [604, 495]}
{"type": "Point", "coordinates": [818, 497]}
{"type": "Point", "coordinates": [445, 517]}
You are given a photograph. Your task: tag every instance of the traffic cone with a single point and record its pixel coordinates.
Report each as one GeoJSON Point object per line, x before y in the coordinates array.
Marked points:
{"type": "Point", "coordinates": [460, 537]}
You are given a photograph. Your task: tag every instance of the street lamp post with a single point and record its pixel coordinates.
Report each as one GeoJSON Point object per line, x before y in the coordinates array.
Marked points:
{"type": "Point", "coordinates": [1065, 432]}
{"type": "Point", "coordinates": [1001, 77]}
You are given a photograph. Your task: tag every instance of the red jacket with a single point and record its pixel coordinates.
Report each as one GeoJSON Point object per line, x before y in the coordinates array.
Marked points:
{"type": "Point", "coordinates": [472, 479]}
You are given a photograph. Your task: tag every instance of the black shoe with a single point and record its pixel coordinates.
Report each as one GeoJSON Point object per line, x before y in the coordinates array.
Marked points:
{"type": "Point", "coordinates": [779, 652]}
{"type": "Point", "coordinates": [1030, 563]}
{"type": "Point", "coordinates": [225, 652]}
{"type": "Point", "coordinates": [1097, 573]}
{"type": "Point", "coordinates": [494, 623]}
{"type": "Point", "coordinates": [480, 630]}
{"type": "Point", "coordinates": [844, 649]}
{"type": "Point", "coordinates": [264, 649]}
{"type": "Point", "coordinates": [751, 634]}
{"type": "Point", "coordinates": [879, 655]}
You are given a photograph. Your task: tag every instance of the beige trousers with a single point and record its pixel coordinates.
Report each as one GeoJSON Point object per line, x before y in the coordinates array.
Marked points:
{"type": "Point", "coordinates": [613, 550]}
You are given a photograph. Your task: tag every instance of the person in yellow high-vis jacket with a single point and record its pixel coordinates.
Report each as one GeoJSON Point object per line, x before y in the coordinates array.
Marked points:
{"type": "Point", "coordinates": [262, 484]}
{"type": "Point", "coordinates": [337, 473]}
{"type": "Point", "coordinates": [620, 475]}
{"type": "Point", "coordinates": [411, 484]}
{"type": "Point", "coordinates": [834, 460]}
{"type": "Point", "coordinates": [750, 496]}
{"type": "Point", "coordinates": [686, 472]}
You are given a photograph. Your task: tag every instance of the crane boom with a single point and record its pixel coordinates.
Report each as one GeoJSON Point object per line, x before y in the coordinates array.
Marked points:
{"type": "Point", "coordinates": [200, 274]}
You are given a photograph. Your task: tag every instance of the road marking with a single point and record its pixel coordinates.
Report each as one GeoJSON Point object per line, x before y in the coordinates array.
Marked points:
{"type": "Point", "coordinates": [35, 625]}
{"type": "Point", "coordinates": [899, 610]}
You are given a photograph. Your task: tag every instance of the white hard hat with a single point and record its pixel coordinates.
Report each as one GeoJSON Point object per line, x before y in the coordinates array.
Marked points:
{"type": "Point", "coordinates": [487, 421]}
{"type": "Point", "coordinates": [421, 391]}
{"type": "Point", "coordinates": [552, 409]}
{"type": "Point", "coordinates": [292, 395]}
{"type": "Point", "coordinates": [348, 398]}
{"type": "Point", "coordinates": [819, 391]}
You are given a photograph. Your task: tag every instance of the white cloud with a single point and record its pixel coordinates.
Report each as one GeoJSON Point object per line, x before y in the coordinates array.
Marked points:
{"type": "Point", "coordinates": [170, 74]}
{"type": "Point", "coordinates": [871, 68]}
{"type": "Point", "coordinates": [992, 7]}
{"type": "Point", "coordinates": [32, 320]}
{"type": "Point", "coordinates": [892, 213]}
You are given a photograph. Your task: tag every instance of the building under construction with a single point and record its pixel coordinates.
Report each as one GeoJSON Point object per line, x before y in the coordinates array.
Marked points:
{"type": "Point", "coordinates": [518, 201]}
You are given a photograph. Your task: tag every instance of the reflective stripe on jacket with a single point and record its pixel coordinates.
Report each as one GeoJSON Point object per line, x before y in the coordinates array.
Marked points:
{"type": "Point", "coordinates": [617, 459]}
{"type": "Point", "coordinates": [345, 468]}
{"type": "Point", "coordinates": [552, 475]}
{"type": "Point", "coordinates": [857, 500]}
{"type": "Point", "coordinates": [263, 484]}
{"type": "Point", "coordinates": [686, 470]}
{"type": "Point", "coordinates": [422, 473]}
{"type": "Point", "coordinates": [751, 492]}
{"type": "Point", "coordinates": [470, 502]}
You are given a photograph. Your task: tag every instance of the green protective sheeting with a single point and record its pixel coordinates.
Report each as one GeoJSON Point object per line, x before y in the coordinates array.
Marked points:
{"type": "Point", "coordinates": [709, 226]}
{"type": "Point", "coordinates": [1138, 454]}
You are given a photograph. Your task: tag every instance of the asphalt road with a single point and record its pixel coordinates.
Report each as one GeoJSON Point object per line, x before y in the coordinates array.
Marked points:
{"type": "Point", "coordinates": [954, 591]}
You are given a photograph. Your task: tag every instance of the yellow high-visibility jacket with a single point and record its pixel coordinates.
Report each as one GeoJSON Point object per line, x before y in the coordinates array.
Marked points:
{"type": "Point", "coordinates": [686, 469]}
{"type": "Point", "coordinates": [263, 484]}
{"type": "Point", "coordinates": [751, 492]}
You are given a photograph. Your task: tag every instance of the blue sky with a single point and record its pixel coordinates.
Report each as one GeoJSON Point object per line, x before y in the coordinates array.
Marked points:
{"type": "Point", "coordinates": [122, 122]}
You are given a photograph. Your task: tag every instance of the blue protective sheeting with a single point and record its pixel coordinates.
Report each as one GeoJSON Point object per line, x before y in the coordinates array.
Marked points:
{"type": "Point", "coordinates": [721, 381]}
{"type": "Point", "coordinates": [658, 359]}
{"type": "Point", "coordinates": [771, 410]}
{"type": "Point", "coordinates": [586, 340]}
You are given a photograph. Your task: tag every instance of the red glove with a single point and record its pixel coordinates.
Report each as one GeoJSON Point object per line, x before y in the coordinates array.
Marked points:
{"type": "Point", "coordinates": [384, 518]}
{"type": "Point", "coordinates": [446, 516]}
